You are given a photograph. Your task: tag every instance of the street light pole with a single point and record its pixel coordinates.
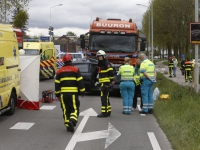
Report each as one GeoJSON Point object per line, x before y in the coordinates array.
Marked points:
{"type": "Point", "coordinates": [196, 69]}
{"type": "Point", "coordinates": [152, 29]}
{"type": "Point", "coordinates": [149, 41]}
{"type": "Point", "coordinates": [5, 10]}
{"type": "Point", "coordinates": [50, 16]}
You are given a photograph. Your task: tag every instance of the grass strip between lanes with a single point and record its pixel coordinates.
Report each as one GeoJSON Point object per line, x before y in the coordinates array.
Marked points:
{"type": "Point", "coordinates": [179, 117]}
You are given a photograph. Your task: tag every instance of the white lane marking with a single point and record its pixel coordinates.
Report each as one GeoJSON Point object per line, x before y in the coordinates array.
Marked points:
{"type": "Point", "coordinates": [45, 107]}
{"type": "Point", "coordinates": [111, 135]}
{"type": "Point", "coordinates": [153, 141]}
{"type": "Point", "coordinates": [93, 135]}
{"type": "Point", "coordinates": [22, 126]}
{"type": "Point", "coordinates": [74, 139]}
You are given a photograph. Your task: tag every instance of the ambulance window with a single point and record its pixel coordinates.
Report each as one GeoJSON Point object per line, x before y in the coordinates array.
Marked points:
{"type": "Point", "coordinates": [48, 54]}
{"type": "Point", "coordinates": [31, 51]}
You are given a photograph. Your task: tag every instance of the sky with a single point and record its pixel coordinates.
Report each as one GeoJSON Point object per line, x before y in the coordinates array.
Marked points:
{"type": "Point", "coordinates": [77, 15]}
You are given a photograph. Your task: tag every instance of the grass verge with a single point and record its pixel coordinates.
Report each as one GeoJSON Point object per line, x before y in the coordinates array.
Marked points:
{"type": "Point", "coordinates": [178, 117]}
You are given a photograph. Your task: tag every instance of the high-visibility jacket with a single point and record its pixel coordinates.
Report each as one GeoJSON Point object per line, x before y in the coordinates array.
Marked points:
{"type": "Point", "coordinates": [68, 79]}
{"type": "Point", "coordinates": [136, 76]}
{"type": "Point", "coordinates": [126, 71]}
{"type": "Point", "coordinates": [106, 74]}
{"type": "Point", "coordinates": [171, 64]}
{"type": "Point", "coordinates": [148, 67]}
{"type": "Point", "coordinates": [188, 65]}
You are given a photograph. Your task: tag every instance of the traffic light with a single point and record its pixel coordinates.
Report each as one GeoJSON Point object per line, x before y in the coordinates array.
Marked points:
{"type": "Point", "coordinates": [82, 37]}
{"type": "Point", "coordinates": [50, 30]}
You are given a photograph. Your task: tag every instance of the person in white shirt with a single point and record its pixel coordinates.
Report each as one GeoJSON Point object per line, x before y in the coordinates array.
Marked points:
{"type": "Point", "coordinates": [175, 65]}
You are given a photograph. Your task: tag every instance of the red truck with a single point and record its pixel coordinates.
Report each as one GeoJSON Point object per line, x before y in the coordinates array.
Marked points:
{"type": "Point", "coordinates": [118, 38]}
{"type": "Point", "coordinates": [20, 34]}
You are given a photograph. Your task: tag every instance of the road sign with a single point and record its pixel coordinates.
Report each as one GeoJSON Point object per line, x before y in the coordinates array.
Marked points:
{"type": "Point", "coordinates": [183, 56]}
{"type": "Point", "coordinates": [111, 134]}
{"type": "Point", "coordinates": [195, 33]}
{"type": "Point", "coordinates": [45, 38]}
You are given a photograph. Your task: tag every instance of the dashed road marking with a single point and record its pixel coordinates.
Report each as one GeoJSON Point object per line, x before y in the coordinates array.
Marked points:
{"type": "Point", "coordinates": [153, 141]}
{"type": "Point", "coordinates": [22, 126]}
{"type": "Point", "coordinates": [45, 107]}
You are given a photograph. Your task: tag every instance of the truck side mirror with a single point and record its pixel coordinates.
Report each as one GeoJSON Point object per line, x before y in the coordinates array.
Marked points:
{"type": "Point", "coordinates": [142, 46]}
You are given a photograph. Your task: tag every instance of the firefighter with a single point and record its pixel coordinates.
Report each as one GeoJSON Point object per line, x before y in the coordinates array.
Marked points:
{"type": "Point", "coordinates": [127, 86]}
{"type": "Point", "coordinates": [106, 77]}
{"type": "Point", "coordinates": [188, 70]}
{"type": "Point", "coordinates": [68, 84]}
{"type": "Point", "coordinates": [137, 84]}
{"type": "Point", "coordinates": [171, 66]}
{"type": "Point", "coordinates": [148, 77]}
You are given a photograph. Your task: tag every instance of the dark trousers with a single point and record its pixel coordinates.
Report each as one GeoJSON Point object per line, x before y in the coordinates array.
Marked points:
{"type": "Point", "coordinates": [70, 105]}
{"type": "Point", "coordinates": [136, 95]}
{"type": "Point", "coordinates": [105, 102]}
{"type": "Point", "coordinates": [188, 75]}
{"type": "Point", "coordinates": [182, 71]}
{"type": "Point", "coordinates": [170, 71]}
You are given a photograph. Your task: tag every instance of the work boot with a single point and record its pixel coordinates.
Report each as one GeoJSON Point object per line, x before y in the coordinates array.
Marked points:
{"type": "Point", "coordinates": [125, 113]}
{"type": "Point", "coordinates": [70, 128]}
{"type": "Point", "coordinates": [150, 111]}
{"type": "Point", "coordinates": [142, 112]}
{"type": "Point", "coordinates": [101, 115]}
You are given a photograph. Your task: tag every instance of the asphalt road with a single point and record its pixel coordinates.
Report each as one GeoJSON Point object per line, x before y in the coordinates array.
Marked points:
{"type": "Point", "coordinates": [44, 129]}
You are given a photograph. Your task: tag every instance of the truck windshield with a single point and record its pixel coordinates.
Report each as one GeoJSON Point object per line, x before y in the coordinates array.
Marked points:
{"type": "Point", "coordinates": [116, 43]}
{"type": "Point", "coordinates": [32, 52]}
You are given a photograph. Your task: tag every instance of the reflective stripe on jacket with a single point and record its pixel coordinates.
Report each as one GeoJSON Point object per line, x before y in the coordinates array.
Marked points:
{"type": "Point", "coordinates": [188, 65]}
{"type": "Point", "coordinates": [171, 63]}
{"type": "Point", "coordinates": [106, 74]}
{"type": "Point", "coordinates": [68, 79]}
{"type": "Point", "coordinates": [126, 71]}
{"type": "Point", "coordinates": [148, 67]}
{"type": "Point", "coordinates": [136, 76]}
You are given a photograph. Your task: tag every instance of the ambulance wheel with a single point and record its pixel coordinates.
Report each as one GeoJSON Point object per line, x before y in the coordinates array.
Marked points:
{"type": "Point", "coordinates": [52, 77]}
{"type": "Point", "coordinates": [11, 104]}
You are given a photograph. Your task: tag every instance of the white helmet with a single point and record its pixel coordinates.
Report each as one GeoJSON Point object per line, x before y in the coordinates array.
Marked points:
{"type": "Point", "coordinates": [101, 53]}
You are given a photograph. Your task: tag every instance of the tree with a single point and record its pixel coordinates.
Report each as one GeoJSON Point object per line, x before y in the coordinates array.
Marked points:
{"type": "Point", "coordinates": [171, 20]}
{"type": "Point", "coordinates": [70, 33]}
{"type": "Point", "coordinates": [8, 8]}
{"type": "Point", "coordinates": [20, 19]}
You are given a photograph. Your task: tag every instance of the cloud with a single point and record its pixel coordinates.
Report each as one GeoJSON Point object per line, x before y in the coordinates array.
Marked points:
{"type": "Point", "coordinates": [77, 15]}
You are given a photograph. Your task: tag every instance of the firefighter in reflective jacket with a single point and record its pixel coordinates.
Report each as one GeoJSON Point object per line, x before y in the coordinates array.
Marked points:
{"type": "Point", "coordinates": [106, 77]}
{"type": "Point", "coordinates": [170, 65]}
{"type": "Point", "coordinates": [188, 67]}
{"type": "Point", "coordinates": [68, 84]}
